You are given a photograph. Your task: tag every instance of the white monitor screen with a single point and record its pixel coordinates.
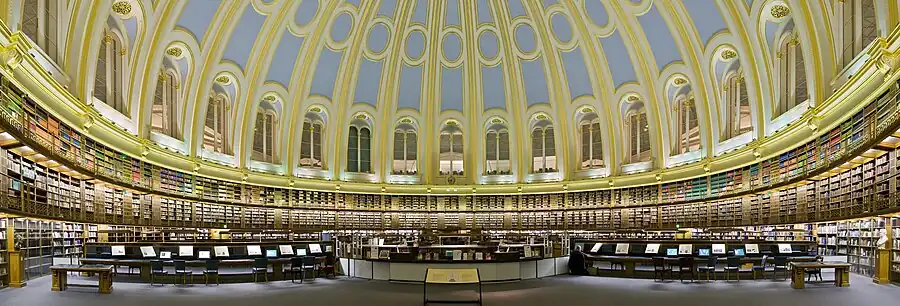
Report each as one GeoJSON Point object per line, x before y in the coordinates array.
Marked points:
{"type": "Point", "coordinates": [652, 248]}
{"type": "Point", "coordinates": [271, 253]}
{"type": "Point", "coordinates": [718, 248]}
{"type": "Point", "coordinates": [703, 252]}
{"type": "Point", "coordinates": [286, 250]}
{"type": "Point", "coordinates": [752, 248]}
{"type": "Point", "coordinates": [221, 251]}
{"type": "Point", "coordinates": [685, 249]}
{"type": "Point", "coordinates": [596, 247]}
{"type": "Point", "coordinates": [117, 250]}
{"type": "Point", "coordinates": [671, 252]}
{"type": "Point", "coordinates": [622, 248]}
{"type": "Point", "coordinates": [738, 252]}
{"type": "Point", "coordinates": [148, 251]}
{"type": "Point", "coordinates": [315, 248]}
{"type": "Point", "coordinates": [185, 250]}
{"type": "Point", "coordinates": [301, 252]}
{"type": "Point", "coordinates": [165, 255]}
{"type": "Point", "coordinates": [254, 250]}
{"type": "Point", "coordinates": [785, 248]}
{"type": "Point", "coordinates": [203, 254]}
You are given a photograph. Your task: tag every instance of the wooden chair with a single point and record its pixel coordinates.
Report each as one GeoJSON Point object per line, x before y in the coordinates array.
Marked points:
{"type": "Point", "coordinates": [328, 266]}
{"type": "Point", "coordinates": [781, 264]}
{"type": "Point", "coordinates": [309, 264]}
{"type": "Point", "coordinates": [212, 268]}
{"type": "Point", "coordinates": [181, 271]}
{"type": "Point", "coordinates": [156, 269]}
{"type": "Point", "coordinates": [761, 267]}
{"type": "Point", "coordinates": [296, 267]}
{"type": "Point", "coordinates": [711, 263]}
{"type": "Point", "coordinates": [659, 269]}
{"type": "Point", "coordinates": [686, 265]}
{"type": "Point", "coordinates": [260, 266]}
{"type": "Point", "coordinates": [733, 265]}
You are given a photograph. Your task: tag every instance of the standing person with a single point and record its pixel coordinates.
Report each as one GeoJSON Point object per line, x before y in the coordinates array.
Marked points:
{"type": "Point", "coordinates": [577, 262]}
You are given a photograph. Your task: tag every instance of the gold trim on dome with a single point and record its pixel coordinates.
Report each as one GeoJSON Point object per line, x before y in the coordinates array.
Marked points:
{"type": "Point", "coordinates": [122, 7]}
{"type": "Point", "coordinates": [496, 121]}
{"type": "Point", "coordinates": [728, 54]}
{"type": "Point", "coordinates": [362, 117]}
{"type": "Point", "coordinates": [406, 121]}
{"type": "Point", "coordinates": [541, 117]}
{"type": "Point", "coordinates": [176, 52]}
{"type": "Point", "coordinates": [269, 98]}
{"type": "Point", "coordinates": [315, 110]}
{"type": "Point", "coordinates": [222, 79]}
{"type": "Point", "coordinates": [587, 110]}
{"type": "Point", "coordinates": [108, 39]}
{"type": "Point", "coordinates": [633, 98]}
{"type": "Point", "coordinates": [779, 11]}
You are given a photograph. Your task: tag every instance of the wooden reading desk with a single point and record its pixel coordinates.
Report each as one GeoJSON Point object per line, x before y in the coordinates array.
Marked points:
{"type": "Point", "coordinates": [61, 272]}
{"type": "Point", "coordinates": [841, 273]}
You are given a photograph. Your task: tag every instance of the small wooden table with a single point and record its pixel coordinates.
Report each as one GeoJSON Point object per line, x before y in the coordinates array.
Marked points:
{"type": "Point", "coordinates": [61, 272]}
{"type": "Point", "coordinates": [841, 273]}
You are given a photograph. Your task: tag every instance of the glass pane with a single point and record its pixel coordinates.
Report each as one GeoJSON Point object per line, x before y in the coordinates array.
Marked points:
{"type": "Point", "coordinates": [353, 150]}
{"type": "Point", "coordinates": [537, 143]}
{"type": "Point", "coordinates": [399, 147]}
{"type": "Point", "coordinates": [491, 146]}
{"type": "Point", "coordinates": [457, 143]}
{"type": "Point", "coordinates": [445, 143]}
{"type": "Point", "coordinates": [597, 142]}
{"type": "Point", "coordinates": [585, 142]}
{"type": "Point", "coordinates": [317, 145]}
{"type": "Point", "coordinates": [549, 142]}
{"type": "Point", "coordinates": [412, 146]}
{"type": "Point", "coordinates": [365, 147]}
{"type": "Point", "coordinates": [504, 146]}
{"type": "Point", "coordinates": [306, 144]}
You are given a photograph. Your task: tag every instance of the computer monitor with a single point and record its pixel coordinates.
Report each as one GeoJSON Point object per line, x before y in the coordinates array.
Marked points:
{"type": "Point", "coordinates": [596, 247]}
{"type": "Point", "coordinates": [148, 252]}
{"type": "Point", "coordinates": [286, 250]}
{"type": "Point", "coordinates": [221, 251]}
{"type": "Point", "coordinates": [315, 248]}
{"type": "Point", "coordinates": [449, 254]}
{"type": "Point", "coordinates": [165, 255]}
{"type": "Point", "coordinates": [738, 252]}
{"type": "Point", "coordinates": [672, 252]}
{"type": "Point", "coordinates": [272, 253]}
{"type": "Point", "coordinates": [117, 250]}
{"type": "Point", "coordinates": [718, 249]}
{"type": "Point", "coordinates": [703, 252]}
{"type": "Point", "coordinates": [185, 250]}
{"type": "Point", "coordinates": [783, 248]}
{"type": "Point", "coordinates": [254, 250]}
{"type": "Point", "coordinates": [203, 255]}
{"type": "Point", "coordinates": [301, 252]}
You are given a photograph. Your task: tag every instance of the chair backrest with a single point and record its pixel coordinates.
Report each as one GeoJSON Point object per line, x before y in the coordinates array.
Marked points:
{"type": "Point", "coordinates": [261, 263]}
{"type": "Point", "coordinates": [297, 262]}
{"type": "Point", "coordinates": [764, 258]}
{"type": "Point", "coordinates": [686, 261]}
{"type": "Point", "coordinates": [659, 262]}
{"type": "Point", "coordinates": [309, 260]}
{"type": "Point", "coordinates": [780, 261]}
{"type": "Point", "coordinates": [734, 261]}
{"type": "Point", "coordinates": [712, 261]}
{"type": "Point", "coordinates": [212, 265]}
{"type": "Point", "coordinates": [156, 265]}
{"type": "Point", "coordinates": [329, 260]}
{"type": "Point", "coordinates": [179, 265]}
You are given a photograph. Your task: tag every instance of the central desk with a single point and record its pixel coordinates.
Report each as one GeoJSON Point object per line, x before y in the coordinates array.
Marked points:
{"type": "Point", "coordinates": [61, 278]}
{"type": "Point", "coordinates": [841, 273]}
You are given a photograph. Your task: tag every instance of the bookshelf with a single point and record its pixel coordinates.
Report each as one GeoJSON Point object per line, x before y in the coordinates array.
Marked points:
{"type": "Point", "coordinates": [895, 249]}
{"type": "Point", "coordinates": [855, 239]}
{"type": "Point", "coordinates": [4, 255]}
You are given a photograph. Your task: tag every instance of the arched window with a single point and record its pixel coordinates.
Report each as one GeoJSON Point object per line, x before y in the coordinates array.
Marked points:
{"type": "Point", "coordinates": [792, 75]}
{"type": "Point", "coordinates": [543, 148]}
{"type": "Point", "coordinates": [164, 115]}
{"type": "Point", "coordinates": [687, 126]}
{"type": "Point", "coordinates": [858, 27]}
{"type": "Point", "coordinates": [264, 137]}
{"type": "Point", "coordinates": [497, 150]}
{"type": "Point", "coordinates": [737, 107]}
{"type": "Point", "coordinates": [311, 144]}
{"type": "Point", "coordinates": [214, 131]}
{"type": "Point", "coordinates": [40, 22]}
{"type": "Point", "coordinates": [591, 144]}
{"type": "Point", "coordinates": [109, 78]}
{"type": "Point", "coordinates": [359, 150]}
{"type": "Point", "coordinates": [451, 150]}
{"type": "Point", "coordinates": [638, 131]}
{"type": "Point", "coordinates": [405, 146]}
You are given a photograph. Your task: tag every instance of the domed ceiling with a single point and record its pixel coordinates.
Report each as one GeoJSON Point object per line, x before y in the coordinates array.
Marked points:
{"type": "Point", "coordinates": [458, 91]}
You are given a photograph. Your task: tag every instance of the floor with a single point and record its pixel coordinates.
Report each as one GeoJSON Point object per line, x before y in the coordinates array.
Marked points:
{"type": "Point", "coordinates": [568, 290]}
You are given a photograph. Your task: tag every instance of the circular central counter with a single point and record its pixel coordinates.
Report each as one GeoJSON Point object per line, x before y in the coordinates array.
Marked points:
{"type": "Point", "coordinates": [489, 271]}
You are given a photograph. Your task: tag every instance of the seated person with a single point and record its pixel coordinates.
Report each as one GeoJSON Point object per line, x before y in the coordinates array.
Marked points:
{"type": "Point", "coordinates": [817, 273]}
{"type": "Point", "coordinates": [577, 262]}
